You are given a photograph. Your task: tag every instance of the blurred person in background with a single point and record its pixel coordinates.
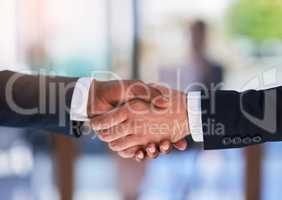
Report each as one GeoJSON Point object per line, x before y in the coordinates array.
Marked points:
{"type": "Point", "coordinates": [210, 73]}
{"type": "Point", "coordinates": [200, 72]}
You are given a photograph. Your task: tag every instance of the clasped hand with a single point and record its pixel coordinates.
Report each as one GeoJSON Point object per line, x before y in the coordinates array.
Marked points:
{"type": "Point", "coordinates": [138, 120]}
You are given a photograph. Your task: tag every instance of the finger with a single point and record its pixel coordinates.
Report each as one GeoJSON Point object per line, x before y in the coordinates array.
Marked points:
{"type": "Point", "coordinates": [165, 91]}
{"type": "Point", "coordinates": [126, 142]}
{"type": "Point", "coordinates": [115, 132]}
{"type": "Point", "coordinates": [140, 90]}
{"type": "Point", "coordinates": [166, 94]}
{"type": "Point", "coordinates": [152, 151]}
{"type": "Point", "coordinates": [181, 145]}
{"type": "Point", "coordinates": [161, 102]}
{"type": "Point", "coordinates": [109, 119]}
{"type": "Point", "coordinates": [129, 153]}
{"type": "Point", "coordinates": [166, 146]}
{"type": "Point", "coordinates": [140, 155]}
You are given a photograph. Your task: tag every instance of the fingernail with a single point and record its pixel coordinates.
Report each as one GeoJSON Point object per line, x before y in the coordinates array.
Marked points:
{"type": "Point", "coordinates": [152, 149]}
{"type": "Point", "coordinates": [165, 146]}
{"type": "Point", "coordinates": [140, 155]}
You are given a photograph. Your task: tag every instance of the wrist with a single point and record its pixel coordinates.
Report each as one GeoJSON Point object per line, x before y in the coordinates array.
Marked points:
{"type": "Point", "coordinates": [187, 127]}
{"type": "Point", "coordinates": [91, 97]}
{"type": "Point", "coordinates": [181, 128]}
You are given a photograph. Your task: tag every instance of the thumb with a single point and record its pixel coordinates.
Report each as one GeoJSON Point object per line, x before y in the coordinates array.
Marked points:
{"type": "Point", "coordinates": [140, 90]}
{"type": "Point", "coordinates": [162, 99]}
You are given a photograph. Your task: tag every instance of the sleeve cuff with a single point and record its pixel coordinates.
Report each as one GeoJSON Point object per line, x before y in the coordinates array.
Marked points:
{"type": "Point", "coordinates": [195, 116]}
{"type": "Point", "coordinates": [79, 101]}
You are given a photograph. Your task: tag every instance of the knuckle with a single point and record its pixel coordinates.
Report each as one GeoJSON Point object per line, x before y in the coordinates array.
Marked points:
{"type": "Point", "coordinates": [138, 82]}
{"type": "Point", "coordinates": [117, 145]}
{"type": "Point", "coordinates": [113, 148]}
{"type": "Point", "coordinates": [104, 138]}
{"type": "Point", "coordinates": [123, 154]}
{"type": "Point", "coordinates": [97, 122]}
{"type": "Point", "coordinates": [128, 154]}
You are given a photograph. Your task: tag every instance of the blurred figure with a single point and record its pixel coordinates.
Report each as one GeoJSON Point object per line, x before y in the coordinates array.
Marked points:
{"type": "Point", "coordinates": [37, 57]}
{"type": "Point", "coordinates": [200, 72]}
{"type": "Point", "coordinates": [210, 72]}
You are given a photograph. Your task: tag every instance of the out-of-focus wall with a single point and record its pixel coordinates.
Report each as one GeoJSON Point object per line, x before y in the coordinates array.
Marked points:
{"type": "Point", "coordinates": [8, 36]}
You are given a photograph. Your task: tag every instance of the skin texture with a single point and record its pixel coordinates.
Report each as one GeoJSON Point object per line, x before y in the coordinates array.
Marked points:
{"type": "Point", "coordinates": [139, 125]}
{"type": "Point", "coordinates": [107, 96]}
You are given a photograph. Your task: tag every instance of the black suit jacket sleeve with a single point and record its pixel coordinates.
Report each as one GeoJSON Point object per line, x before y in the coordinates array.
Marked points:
{"type": "Point", "coordinates": [232, 119]}
{"type": "Point", "coordinates": [33, 101]}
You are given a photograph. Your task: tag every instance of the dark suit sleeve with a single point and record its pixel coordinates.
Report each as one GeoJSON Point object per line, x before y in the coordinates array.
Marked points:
{"type": "Point", "coordinates": [232, 119]}
{"type": "Point", "coordinates": [33, 101]}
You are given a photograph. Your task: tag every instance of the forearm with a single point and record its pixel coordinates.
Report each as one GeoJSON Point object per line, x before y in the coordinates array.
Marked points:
{"type": "Point", "coordinates": [35, 101]}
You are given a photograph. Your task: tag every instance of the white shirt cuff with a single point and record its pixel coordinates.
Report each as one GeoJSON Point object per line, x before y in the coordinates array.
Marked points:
{"type": "Point", "coordinates": [195, 116]}
{"type": "Point", "coordinates": [78, 111]}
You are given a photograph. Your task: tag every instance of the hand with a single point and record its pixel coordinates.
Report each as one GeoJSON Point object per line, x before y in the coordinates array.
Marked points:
{"type": "Point", "coordinates": [138, 123]}
{"type": "Point", "coordinates": [106, 95]}
{"type": "Point", "coordinates": [152, 150]}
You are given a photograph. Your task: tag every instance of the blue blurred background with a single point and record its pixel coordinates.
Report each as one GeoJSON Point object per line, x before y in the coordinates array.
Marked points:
{"type": "Point", "coordinates": [154, 41]}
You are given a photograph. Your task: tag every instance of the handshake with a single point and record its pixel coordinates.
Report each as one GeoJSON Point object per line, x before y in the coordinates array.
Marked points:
{"type": "Point", "coordinates": [138, 120]}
